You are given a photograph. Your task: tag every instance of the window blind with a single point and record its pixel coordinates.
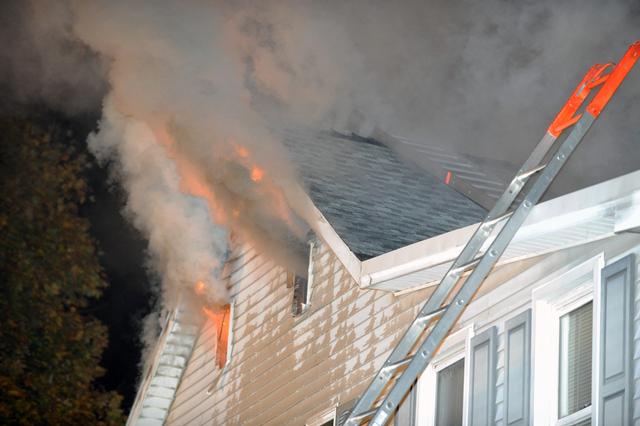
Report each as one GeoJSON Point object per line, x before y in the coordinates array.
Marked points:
{"type": "Point", "coordinates": [576, 331]}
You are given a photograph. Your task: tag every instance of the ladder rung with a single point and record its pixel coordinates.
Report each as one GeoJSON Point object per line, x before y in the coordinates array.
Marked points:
{"type": "Point", "coordinates": [492, 222]}
{"type": "Point", "coordinates": [460, 269]}
{"type": "Point", "coordinates": [430, 315]}
{"type": "Point", "coordinates": [526, 174]}
{"type": "Point", "coordinates": [364, 414]}
{"type": "Point", "coordinates": [397, 364]}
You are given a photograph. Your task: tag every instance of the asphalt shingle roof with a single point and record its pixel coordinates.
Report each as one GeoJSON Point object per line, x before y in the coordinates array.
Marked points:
{"type": "Point", "coordinates": [374, 201]}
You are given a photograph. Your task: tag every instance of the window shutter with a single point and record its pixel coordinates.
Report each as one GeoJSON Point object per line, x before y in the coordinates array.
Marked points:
{"type": "Point", "coordinates": [517, 365]}
{"type": "Point", "coordinates": [482, 389]}
{"type": "Point", "coordinates": [616, 339]}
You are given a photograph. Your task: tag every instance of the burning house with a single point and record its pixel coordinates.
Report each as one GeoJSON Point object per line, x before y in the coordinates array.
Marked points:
{"type": "Point", "coordinates": [549, 338]}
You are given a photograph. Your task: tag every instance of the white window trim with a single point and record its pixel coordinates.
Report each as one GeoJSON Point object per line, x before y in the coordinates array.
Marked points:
{"type": "Point", "coordinates": [551, 300]}
{"type": "Point", "coordinates": [307, 301]}
{"type": "Point", "coordinates": [455, 348]}
{"type": "Point", "coordinates": [322, 417]}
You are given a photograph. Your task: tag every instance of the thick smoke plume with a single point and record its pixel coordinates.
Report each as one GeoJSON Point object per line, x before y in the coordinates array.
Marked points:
{"type": "Point", "coordinates": [199, 91]}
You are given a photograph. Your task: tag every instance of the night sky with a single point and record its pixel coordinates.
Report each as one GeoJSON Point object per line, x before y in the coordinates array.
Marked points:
{"type": "Point", "coordinates": [129, 296]}
{"type": "Point", "coordinates": [483, 78]}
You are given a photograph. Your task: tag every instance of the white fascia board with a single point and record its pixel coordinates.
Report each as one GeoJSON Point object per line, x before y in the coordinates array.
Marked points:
{"type": "Point", "coordinates": [319, 224]}
{"type": "Point", "coordinates": [583, 216]}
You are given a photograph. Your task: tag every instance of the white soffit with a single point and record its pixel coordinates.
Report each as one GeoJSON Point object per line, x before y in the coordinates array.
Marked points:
{"type": "Point", "coordinates": [169, 360]}
{"type": "Point", "coordinates": [578, 218]}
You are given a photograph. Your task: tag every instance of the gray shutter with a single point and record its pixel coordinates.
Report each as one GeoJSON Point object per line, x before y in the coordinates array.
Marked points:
{"type": "Point", "coordinates": [616, 340]}
{"type": "Point", "coordinates": [482, 389]}
{"type": "Point", "coordinates": [517, 366]}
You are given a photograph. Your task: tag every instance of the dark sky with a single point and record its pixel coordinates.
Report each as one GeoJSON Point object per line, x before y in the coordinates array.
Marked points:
{"type": "Point", "coordinates": [129, 296]}
{"type": "Point", "coordinates": [484, 77]}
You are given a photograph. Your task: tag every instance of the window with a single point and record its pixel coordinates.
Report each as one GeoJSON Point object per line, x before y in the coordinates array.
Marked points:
{"type": "Point", "coordinates": [302, 285]}
{"type": "Point", "coordinates": [450, 389]}
{"type": "Point", "coordinates": [323, 418]}
{"type": "Point", "coordinates": [565, 346]}
{"type": "Point", "coordinates": [574, 380]}
{"type": "Point", "coordinates": [221, 319]}
{"type": "Point", "coordinates": [442, 392]}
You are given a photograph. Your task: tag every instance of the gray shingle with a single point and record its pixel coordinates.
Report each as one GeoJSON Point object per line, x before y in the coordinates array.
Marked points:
{"type": "Point", "coordinates": [374, 201]}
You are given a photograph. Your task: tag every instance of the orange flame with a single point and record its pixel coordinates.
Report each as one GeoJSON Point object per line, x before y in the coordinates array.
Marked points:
{"type": "Point", "coordinates": [200, 288]}
{"type": "Point", "coordinates": [256, 174]}
{"type": "Point", "coordinates": [220, 320]}
{"type": "Point", "coordinates": [242, 152]}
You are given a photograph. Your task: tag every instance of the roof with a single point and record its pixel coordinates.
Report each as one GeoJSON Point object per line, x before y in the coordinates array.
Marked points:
{"type": "Point", "coordinates": [484, 179]}
{"type": "Point", "coordinates": [375, 201]}
{"type": "Point", "coordinates": [591, 214]}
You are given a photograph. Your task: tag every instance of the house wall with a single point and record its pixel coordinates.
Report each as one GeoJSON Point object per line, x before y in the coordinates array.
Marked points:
{"type": "Point", "coordinates": [285, 370]}
{"type": "Point", "coordinates": [515, 296]}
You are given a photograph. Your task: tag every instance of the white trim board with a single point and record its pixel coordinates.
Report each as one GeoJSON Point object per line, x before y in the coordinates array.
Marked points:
{"type": "Point", "coordinates": [578, 218]}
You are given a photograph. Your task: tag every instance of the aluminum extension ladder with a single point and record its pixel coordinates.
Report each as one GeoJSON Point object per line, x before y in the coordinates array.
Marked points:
{"type": "Point", "coordinates": [437, 318]}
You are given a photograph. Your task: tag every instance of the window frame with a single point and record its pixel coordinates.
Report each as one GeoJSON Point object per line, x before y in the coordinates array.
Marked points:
{"type": "Point", "coordinates": [455, 348]}
{"type": "Point", "coordinates": [308, 284]}
{"type": "Point", "coordinates": [551, 300]}
{"type": "Point", "coordinates": [328, 414]}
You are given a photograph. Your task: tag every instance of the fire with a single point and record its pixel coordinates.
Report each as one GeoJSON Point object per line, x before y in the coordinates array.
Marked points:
{"type": "Point", "coordinates": [200, 287]}
{"type": "Point", "coordinates": [242, 152]}
{"type": "Point", "coordinates": [220, 319]}
{"type": "Point", "coordinates": [256, 174]}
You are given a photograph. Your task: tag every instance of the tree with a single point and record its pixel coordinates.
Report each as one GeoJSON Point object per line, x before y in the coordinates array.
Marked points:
{"type": "Point", "coordinates": [50, 347]}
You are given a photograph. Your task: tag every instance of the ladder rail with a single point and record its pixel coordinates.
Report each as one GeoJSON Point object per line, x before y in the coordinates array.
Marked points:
{"type": "Point", "coordinates": [473, 282]}
{"type": "Point", "coordinates": [482, 265]}
{"type": "Point", "coordinates": [471, 249]}
{"type": "Point", "coordinates": [437, 298]}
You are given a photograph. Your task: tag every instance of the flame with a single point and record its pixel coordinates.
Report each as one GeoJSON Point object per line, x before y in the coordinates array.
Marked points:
{"type": "Point", "coordinates": [200, 288]}
{"type": "Point", "coordinates": [256, 174]}
{"type": "Point", "coordinates": [220, 319]}
{"type": "Point", "coordinates": [242, 152]}
{"type": "Point", "coordinates": [191, 180]}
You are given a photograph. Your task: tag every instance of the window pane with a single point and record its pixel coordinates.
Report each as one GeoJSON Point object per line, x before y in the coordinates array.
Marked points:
{"type": "Point", "coordinates": [575, 360]}
{"type": "Point", "coordinates": [449, 396]}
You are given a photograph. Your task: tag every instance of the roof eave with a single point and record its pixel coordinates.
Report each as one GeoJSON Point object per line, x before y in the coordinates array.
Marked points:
{"type": "Point", "coordinates": [590, 214]}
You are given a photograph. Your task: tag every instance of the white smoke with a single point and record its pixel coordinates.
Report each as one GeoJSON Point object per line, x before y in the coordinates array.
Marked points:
{"type": "Point", "coordinates": [186, 246]}
{"type": "Point", "coordinates": [198, 91]}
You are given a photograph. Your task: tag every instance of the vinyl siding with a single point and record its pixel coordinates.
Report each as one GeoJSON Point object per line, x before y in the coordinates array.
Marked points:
{"type": "Point", "coordinates": [284, 370]}
{"type": "Point", "coordinates": [636, 351]}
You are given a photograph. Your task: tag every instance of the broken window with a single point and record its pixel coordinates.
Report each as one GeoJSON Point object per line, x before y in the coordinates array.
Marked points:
{"type": "Point", "coordinates": [221, 319]}
{"type": "Point", "coordinates": [301, 285]}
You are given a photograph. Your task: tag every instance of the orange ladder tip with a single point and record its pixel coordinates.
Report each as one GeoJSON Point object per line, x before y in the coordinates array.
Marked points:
{"type": "Point", "coordinates": [614, 80]}
{"type": "Point", "coordinates": [593, 78]}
